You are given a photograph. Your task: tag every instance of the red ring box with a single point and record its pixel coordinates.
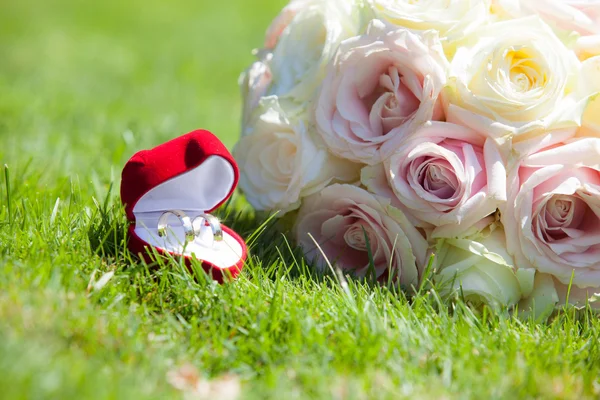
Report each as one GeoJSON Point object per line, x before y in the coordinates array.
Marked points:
{"type": "Point", "coordinates": [194, 173]}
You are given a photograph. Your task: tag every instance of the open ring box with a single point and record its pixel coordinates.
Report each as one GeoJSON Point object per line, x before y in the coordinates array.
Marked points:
{"type": "Point", "coordinates": [194, 174]}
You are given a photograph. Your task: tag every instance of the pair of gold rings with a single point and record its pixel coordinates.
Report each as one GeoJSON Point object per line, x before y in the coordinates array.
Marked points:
{"type": "Point", "coordinates": [191, 227]}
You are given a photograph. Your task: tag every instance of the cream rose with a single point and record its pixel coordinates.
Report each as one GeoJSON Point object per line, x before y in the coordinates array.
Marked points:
{"type": "Point", "coordinates": [447, 177]}
{"type": "Point", "coordinates": [280, 161]}
{"type": "Point", "coordinates": [590, 126]}
{"type": "Point", "coordinates": [481, 270]}
{"type": "Point", "coordinates": [345, 219]}
{"type": "Point", "coordinates": [552, 217]}
{"type": "Point", "coordinates": [303, 39]}
{"type": "Point", "coordinates": [450, 18]}
{"type": "Point", "coordinates": [587, 47]}
{"type": "Point", "coordinates": [516, 80]}
{"type": "Point", "coordinates": [282, 20]}
{"type": "Point", "coordinates": [379, 90]}
{"type": "Point", "coordinates": [254, 83]}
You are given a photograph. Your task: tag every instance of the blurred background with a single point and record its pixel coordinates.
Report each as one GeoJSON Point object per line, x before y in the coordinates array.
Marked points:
{"type": "Point", "coordinates": [85, 84]}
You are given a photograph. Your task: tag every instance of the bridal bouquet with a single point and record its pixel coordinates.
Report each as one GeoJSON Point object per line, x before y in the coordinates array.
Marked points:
{"type": "Point", "coordinates": [389, 131]}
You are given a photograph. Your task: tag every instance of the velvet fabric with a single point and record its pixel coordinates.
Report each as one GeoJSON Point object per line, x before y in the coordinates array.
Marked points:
{"type": "Point", "coordinates": [195, 173]}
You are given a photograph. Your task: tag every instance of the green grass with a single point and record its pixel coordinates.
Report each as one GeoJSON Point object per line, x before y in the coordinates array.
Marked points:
{"type": "Point", "coordinates": [83, 85]}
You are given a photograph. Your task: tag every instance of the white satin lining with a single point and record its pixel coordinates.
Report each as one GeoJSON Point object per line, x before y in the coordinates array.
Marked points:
{"type": "Point", "coordinates": [201, 188]}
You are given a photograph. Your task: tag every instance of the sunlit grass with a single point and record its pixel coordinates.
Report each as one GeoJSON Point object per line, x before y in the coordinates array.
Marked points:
{"type": "Point", "coordinates": [83, 85]}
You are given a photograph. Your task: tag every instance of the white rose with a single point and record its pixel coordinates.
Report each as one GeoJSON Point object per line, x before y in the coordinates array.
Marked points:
{"type": "Point", "coordinates": [280, 162]}
{"type": "Point", "coordinates": [541, 300]}
{"type": "Point", "coordinates": [304, 39]}
{"type": "Point", "coordinates": [449, 18]}
{"type": "Point", "coordinates": [548, 293]}
{"type": "Point", "coordinates": [516, 80]}
{"type": "Point", "coordinates": [482, 270]}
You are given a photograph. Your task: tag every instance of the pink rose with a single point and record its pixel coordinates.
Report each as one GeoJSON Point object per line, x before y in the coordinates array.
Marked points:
{"type": "Point", "coordinates": [576, 296]}
{"type": "Point", "coordinates": [582, 16]}
{"type": "Point", "coordinates": [340, 216]}
{"type": "Point", "coordinates": [552, 217]}
{"type": "Point", "coordinates": [591, 10]}
{"type": "Point", "coordinates": [380, 89]}
{"type": "Point", "coordinates": [446, 177]}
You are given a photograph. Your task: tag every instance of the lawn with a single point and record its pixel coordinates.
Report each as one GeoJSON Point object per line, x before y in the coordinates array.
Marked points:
{"type": "Point", "coordinates": [83, 85]}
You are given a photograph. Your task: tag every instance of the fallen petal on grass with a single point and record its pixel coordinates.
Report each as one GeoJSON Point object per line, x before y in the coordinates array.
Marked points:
{"type": "Point", "coordinates": [103, 280]}
{"type": "Point", "coordinates": [188, 380]}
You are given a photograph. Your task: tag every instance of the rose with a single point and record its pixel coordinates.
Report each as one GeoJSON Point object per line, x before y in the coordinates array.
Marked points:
{"type": "Point", "coordinates": [289, 12]}
{"type": "Point", "coordinates": [447, 177]}
{"type": "Point", "coordinates": [280, 162]}
{"type": "Point", "coordinates": [540, 301]}
{"type": "Point", "coordinates": [567, 16]}
{"type": "Point", "coordinates": [516, 80]}
{"type": "Point", "coordinates": [450, 18]}
{"type": "Point", "coordinates": [582, 16]}
{"type": "Point", "coordinates": [303, 40]}
{"type": "Point", "coordinates": [481, 270]}
{"type": "Point", "coordinates": [549, 293]}
{"type": "Point", "coordinates": [587, 47]}
{"type": "Point", "coordinates": [590, 125]}
{"type": "Point", "coordinates": [552, 217]}
{"type": "Point", "coordinates": [577, 296]}
{"type": "Point", "coordinates": [591, 119]}
{"type": "Point", "coordinates": [283, 20]}
{"type": "Point", "coordinates": [292, 63]}
{"type": "Point", "coordinates": [512, 72]}
{"type": "Point", "coordinates": [379, 89]}
{"type": "Point", "coordinates": [254, 83]}
{"type": "Point", "coordinates": [347, 221]}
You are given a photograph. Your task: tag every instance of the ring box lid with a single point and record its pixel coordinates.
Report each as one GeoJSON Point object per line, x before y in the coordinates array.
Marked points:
{"type": "Point", "coordinates": [193, 173]}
